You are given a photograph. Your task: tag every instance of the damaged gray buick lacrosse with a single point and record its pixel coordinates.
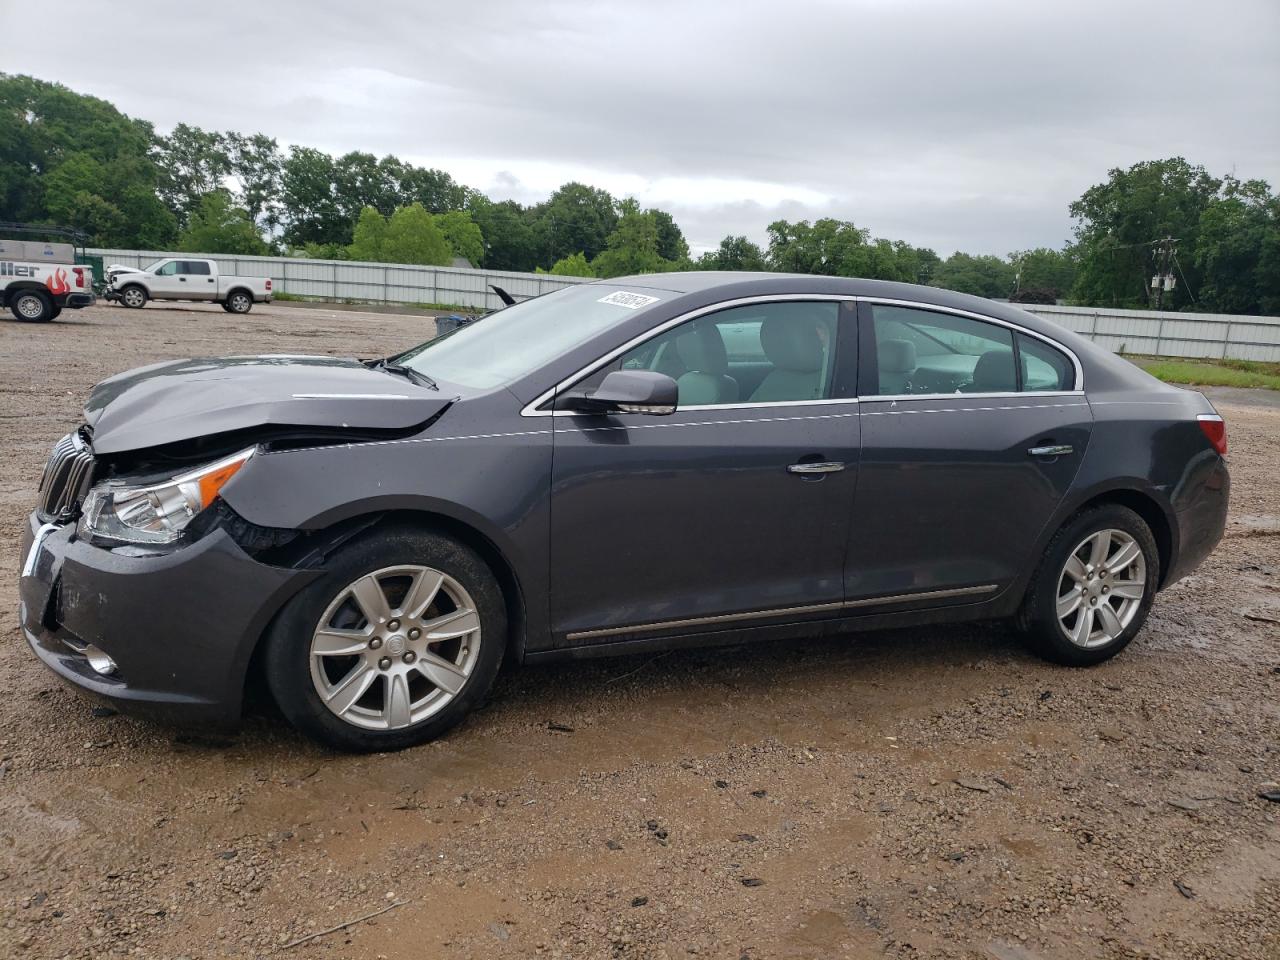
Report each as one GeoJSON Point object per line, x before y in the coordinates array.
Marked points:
{"type": "Point", "coordinates": [623, 465]}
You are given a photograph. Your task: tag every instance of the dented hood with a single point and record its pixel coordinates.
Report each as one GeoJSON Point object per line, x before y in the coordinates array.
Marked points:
{"type": "Point", "coordinates": [186, 399]}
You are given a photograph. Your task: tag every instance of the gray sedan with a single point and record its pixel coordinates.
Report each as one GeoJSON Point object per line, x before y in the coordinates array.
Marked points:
{"type": "Point", "coordinates": [640, 463]}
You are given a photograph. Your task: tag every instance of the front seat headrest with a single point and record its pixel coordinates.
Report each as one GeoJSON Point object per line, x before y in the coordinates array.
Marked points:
{"type": "Point", "coordinates": [791, 342]}
{"type": "Point", "coordinates": [896, 356]}
{"type": "Point", "coordinates": [701, 348]}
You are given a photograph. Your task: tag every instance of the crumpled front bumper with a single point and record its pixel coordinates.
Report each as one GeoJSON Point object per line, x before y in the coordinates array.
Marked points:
{"type": "Point", "coordinates": [180, 627]}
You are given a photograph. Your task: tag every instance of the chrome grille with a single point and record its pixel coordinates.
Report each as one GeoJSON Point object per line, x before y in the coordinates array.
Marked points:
{"type": "Point", "coordinates": [65, 479]}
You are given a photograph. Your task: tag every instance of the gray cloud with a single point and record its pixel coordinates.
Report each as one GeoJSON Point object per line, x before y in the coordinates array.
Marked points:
{"type": "Point", "coordinates": [954, 125]}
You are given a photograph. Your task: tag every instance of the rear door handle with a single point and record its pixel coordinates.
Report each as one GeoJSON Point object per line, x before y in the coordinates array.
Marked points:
{"type": "Point", "coordinates": [1054, 450]}
{"type": "Point", "coordinates": [827, 466]}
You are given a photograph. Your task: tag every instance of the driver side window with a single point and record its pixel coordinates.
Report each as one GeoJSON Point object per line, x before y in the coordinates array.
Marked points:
{"type": "Point", "coordinates": [761, 353]}
{"type": "Point", "coordinates": [169, 269]}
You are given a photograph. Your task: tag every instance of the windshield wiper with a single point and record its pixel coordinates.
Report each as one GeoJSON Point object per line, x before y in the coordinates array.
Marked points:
{"type": "Point", "coordinates": [415, 376]}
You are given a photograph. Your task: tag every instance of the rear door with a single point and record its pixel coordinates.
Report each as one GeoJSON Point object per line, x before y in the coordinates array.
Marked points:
{"type": "Point", "coordinates": [734, 510]}
{"type": "Point", "coordinates": [199, 280]}
{"type": "Point", "coordinates": [972, 432]}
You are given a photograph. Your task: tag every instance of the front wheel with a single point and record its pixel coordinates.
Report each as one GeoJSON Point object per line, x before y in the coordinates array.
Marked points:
{"type": "Point", "coordinates": [1094, 587]}
{"type": "Point", "coordinates": [239, 302]}
{"type": "Point", "coordinates": [133, 297]}
{"type": "Point", "coordinates": [32, 306]}
{"type": "Point", "coordinates": [398, 642]}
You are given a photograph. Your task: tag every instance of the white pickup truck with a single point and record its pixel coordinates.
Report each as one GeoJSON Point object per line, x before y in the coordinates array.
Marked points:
{"type": "Point", "coordinates": [185, 278]}
{"type": "Point", "coordinates": [38, 282]}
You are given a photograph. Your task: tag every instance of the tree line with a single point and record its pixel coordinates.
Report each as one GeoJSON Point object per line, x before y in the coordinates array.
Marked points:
{"type": "Point", "coordinates": [76, 160]}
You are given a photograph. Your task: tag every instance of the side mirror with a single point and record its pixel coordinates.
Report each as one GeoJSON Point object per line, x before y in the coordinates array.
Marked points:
{"type": "Point", "coordinates": [629, 391]}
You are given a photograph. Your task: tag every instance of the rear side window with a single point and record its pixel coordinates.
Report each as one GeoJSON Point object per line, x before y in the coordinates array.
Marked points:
{"type": "Point", "coordinates": [922, 352]}
{"type": "Point", "coordinates": [196, 267]}
{"type": "Point", "coordinates": [1043, 367]}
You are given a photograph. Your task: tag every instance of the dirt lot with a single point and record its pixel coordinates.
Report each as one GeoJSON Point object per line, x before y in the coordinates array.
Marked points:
{"type": "Point", "coordinates": [924, 793]}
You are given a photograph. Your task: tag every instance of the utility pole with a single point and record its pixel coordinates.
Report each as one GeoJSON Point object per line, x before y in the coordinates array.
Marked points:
{"type": "Point", "coordinates": [1163, 279]}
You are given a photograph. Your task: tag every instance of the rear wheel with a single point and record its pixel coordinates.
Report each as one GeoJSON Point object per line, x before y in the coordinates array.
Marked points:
{"type": "Point", "coordinates": [133, 297]}
{"type": "Point", "coordinates": [239, 302]}
{"type": "Point", "coordinates": [32, 306]}
{"type": "Point", "coordinates": [1094, 588]}
{"type": "Point", "coordinates": [398, 642]}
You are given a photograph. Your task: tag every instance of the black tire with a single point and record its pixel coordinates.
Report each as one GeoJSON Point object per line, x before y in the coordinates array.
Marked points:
{"type": "Point", "coordinates": [133, 296]}
{"type": "Point", "coordinates": [32, 306]}
{"type": "Point", "coordinates": [239, 301]}
{"type": "Point", "coordinates": [288, 658]}
{"type": "Point", "coordinates": [1045, 632]}
{"type": "Point", "coordinates": [223, 304]}
{"type": "Point", "coordinates": [57, 310]}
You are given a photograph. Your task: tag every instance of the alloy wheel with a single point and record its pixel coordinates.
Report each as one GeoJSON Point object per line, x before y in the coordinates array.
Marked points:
{"type": "Point", "coordinates": [394, 647]}
{"type": "Point", "coordinates": [133, 297]}
{"type": "Point", "coordinates": [1101, 588]}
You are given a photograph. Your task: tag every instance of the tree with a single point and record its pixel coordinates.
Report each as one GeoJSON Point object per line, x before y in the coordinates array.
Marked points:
{"type": "Point", "coordinates": [633, 246]}
{"type": "Point", "coordinates": [509, 242]}
{"type": "Point", "coordinates": [576, 218]}
{"type": "Point", "coordinates": [78, 161]}
{"type": "Point", "coordinates": [462, 235]}
{"type": "Point", "coordinates": [218, 225]}
{"type": "Point", "coordinates": [671, 243]}
{"type": "Point", "coordinates": [1119, 222]}
{"type": "Point", "coordinates": [192, 163]}
{"type": "Point", "coordinates": [1049, 272]}
{"type": "Point", "coordinates": [734, 253]}
{"type": "Point", "coordinates": [1237, 253]}
{"type": "Point", "coordinates": [434, 189]}
{"type": "Point", "coordinates": [573, 266]}
{"type": "Point", "coordinates": [983, 276]}
{"type": "Point", "coordinates": [413, 237]}
{"type": "Point", "coordinates": [369, 236]}
{"type": "Point", "coordinates": [257, 165]}
{"type": "Point", "coordinates": [840, 248]}
{"type": "Point", "coordinates": [312, 211]}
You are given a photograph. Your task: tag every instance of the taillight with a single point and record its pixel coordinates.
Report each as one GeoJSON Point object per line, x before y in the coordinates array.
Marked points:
{"type": "Point", "coordinates": [1215, 429]}
{"type": "Point", "coordinates": [79, 272]}
{"type": "Point", "coordinates": [268, 285]}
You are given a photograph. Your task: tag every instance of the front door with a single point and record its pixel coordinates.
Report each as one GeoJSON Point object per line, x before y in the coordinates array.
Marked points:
{"type": "Point", "coordinates": [972, 433]}
{"type": "Point", "coordinates": [732, 511]}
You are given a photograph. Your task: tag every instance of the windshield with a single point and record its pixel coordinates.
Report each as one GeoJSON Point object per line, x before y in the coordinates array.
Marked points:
{"type": "Point", "coordinates": [512, 343]}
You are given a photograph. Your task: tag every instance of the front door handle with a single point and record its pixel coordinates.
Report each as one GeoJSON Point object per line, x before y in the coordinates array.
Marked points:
{"type": "Point", "coordinates": [826, 466]}
{"type": "Point", "coordinates": [182, 279]}
{"type": "Point", "coordinates": [1053, 450]}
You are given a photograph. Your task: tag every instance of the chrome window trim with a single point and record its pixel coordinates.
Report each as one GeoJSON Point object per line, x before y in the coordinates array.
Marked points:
{"type": "Point", "coordinates": [530, 409]}
{"type": "Point", "coordinates": [959, 312]}
{"type": "Point", "coordinates": [1006, 395]}
{"type": "Point", "coordinates": [781, 612]}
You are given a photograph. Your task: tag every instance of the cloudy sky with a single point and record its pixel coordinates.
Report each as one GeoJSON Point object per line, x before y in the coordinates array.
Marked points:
{"type": "Point", "coordinates": [965, 124]}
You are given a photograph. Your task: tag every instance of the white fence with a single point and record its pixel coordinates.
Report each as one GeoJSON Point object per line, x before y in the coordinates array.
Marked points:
{"type": "Point", "coordinates": [369, 282]}
{"type": "Point", "coordinates": [1133, 331]}
{"type": "Point", "coordinates": [1167, 334]}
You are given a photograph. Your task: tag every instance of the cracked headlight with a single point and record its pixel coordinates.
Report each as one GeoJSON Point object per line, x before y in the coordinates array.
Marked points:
{"type": "Point", "coordinates": [157, 512]}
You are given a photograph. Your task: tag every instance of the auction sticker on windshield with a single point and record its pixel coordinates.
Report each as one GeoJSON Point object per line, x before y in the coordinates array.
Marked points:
{"type": "Point", "coordinates": [632, 301]}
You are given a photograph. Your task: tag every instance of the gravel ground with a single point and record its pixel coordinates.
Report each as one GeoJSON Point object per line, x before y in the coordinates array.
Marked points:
{"type": "Point", "coordinates": [924, 793]}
